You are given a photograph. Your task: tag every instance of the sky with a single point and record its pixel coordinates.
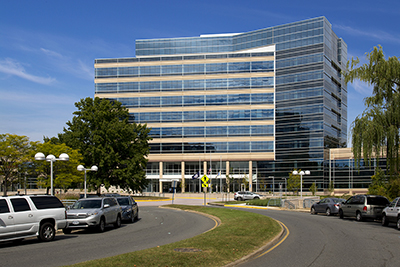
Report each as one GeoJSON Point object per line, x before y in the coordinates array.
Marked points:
{"type": "Point", "coordinates": [48, 48]}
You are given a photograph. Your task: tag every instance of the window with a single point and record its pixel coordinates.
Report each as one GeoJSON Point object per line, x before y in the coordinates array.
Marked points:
{"type": "Point", "coordinates": [3, 206]}
{"type": "Point", "coordinates": [46, 202]}
{"type": "Point", "coordinates": [20, 204]}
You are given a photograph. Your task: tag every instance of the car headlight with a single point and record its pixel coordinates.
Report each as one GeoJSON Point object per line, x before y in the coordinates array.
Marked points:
{"type": "Point", "coordinates": [92, 213]}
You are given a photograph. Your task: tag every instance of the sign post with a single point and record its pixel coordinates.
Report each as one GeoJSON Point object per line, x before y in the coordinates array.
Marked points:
{"type": "Point", "coordinates": [205, 184]}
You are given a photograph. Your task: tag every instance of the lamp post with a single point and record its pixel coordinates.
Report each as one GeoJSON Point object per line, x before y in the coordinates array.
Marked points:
{"type": "Point", "coordinates": [81, 168]}
{"type": "Point", "coordinates": [285, 185]}
{"type": "Point", "coordinates": [51, 158]}
{"type": "Point", "coordinates": [301, 173]}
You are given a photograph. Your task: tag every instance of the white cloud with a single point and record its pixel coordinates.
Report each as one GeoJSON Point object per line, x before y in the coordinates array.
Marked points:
{"type": "Point", "coordinates": [382, 36]}
{"type": "Point", "coordinates": [13, 67]}
{"type": "Point", "coordinates": [51, 53]}
{"type": "Point", "coordinates": [362, 87]}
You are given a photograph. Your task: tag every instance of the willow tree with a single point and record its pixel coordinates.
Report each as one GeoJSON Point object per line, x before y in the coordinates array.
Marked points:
{"type": "Point", "coordinates": [376, 131]}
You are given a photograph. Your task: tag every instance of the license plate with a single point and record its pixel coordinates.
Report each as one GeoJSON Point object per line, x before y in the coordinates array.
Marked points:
{"type": "Point", "coordinates": [75, 222]}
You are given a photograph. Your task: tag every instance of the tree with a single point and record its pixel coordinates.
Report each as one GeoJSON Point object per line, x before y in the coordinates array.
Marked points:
{"type": "Point", "coordinates": [101, 131]}
{"type": "Point", "coordinates": [293, 183]}
{"type": "Point", "coordinates": [14, 151]}
{"type": "Point", "coordinates": [65, 174]}
{"type": "Point", "coordinates": [377, 129]}
{"type": "Point", "coordinates": [379, 183]}
{"type": "Point", "coordinates": [313, 188]}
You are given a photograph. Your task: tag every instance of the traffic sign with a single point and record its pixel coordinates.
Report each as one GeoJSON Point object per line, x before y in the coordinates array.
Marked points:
{"type": "Point", "coordinates": [205, 180]}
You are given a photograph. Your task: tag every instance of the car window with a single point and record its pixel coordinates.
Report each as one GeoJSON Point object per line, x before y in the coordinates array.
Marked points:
{"type": "Point", "coordinates": [87, 204]}
{"type": "Point", "coordinates": [20, 204]}
{"type": "Point", "coordinates": [350, 200]}
{"type": "Point", "coordinates": [4, 206]}
{"type": "Point", "coordinates": [46, 202]}
{"type": "Point", "coordinates": [123, 201]}
{"type": "Point", "coordinates": [377, 201]}
{"type": "Point", "coordinates": [113, 202]}
{"type": "Point", "coordinates": [393, 203]}
{"type": "Point", "coordinates": [398, 202]}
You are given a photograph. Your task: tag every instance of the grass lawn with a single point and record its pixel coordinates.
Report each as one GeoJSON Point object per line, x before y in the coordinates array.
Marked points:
{"type": "Point", "coordinates": [239, 234]}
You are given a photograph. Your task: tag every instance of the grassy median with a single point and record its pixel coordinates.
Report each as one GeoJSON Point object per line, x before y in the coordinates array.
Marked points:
{"type": "Point", "coordinates": [239, 234]}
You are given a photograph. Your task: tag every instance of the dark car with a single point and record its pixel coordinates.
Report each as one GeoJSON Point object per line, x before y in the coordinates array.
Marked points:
{"type": "Point", "coordinates": [363, 207]}
{"type": "Point", "coordinates": [328, 206]}
{"type": "Point", "coordinates": [130, 209]}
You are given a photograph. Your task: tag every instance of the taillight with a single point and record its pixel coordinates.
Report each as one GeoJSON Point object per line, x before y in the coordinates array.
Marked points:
{"type": "Point", "coordinates": [365, 208]}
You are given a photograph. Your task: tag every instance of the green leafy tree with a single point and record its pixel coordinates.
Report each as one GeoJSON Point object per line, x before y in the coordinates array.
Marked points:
{"type": "Point", "coordinates": [101, 131]}
{"type": "Point", "coordinates": [313, 188]}
{"type": "Point", "coordinates": [379, 183]}
{"type": "Point", "coordinates": [377, 129]}
{"type": "Point", "coordinates": [293, 183]}
{"type": "Point", "coordinates": [14, 152]}
{"type": "Point", "coordinates": [65, 173]}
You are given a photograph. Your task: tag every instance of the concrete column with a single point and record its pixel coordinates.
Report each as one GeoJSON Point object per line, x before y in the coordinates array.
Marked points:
{"type": "Point", "coordinates": [161, 176]}
{"type": "Point", "coordinates": [205, 170]}
{"type": "Point", "coordinates": [183, 176]}
{"type": "Point", "coordinates": [251, 176]}
{"type": "Point", "coordinates": [227, 173]}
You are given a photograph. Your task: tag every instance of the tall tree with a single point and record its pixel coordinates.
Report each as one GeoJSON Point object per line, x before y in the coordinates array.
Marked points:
{"type": "Point", "coordinates": [101, 131]}
{"type": "Point", "coordinates": [14, 151]}
{"type": "Point", "coordinates": [376, 131]}
{"type": "Point", "coordinates": [65, 173]}
{"type": "Point", "coordinates": [294, 182]}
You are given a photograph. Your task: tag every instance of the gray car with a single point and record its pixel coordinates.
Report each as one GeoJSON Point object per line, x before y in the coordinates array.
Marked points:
{"type": "Point", "coordinates": [93, 213]}
{"type": "Point", "coordinates": [363, 207]}
{"type": "Point", "coordinates": [391, 214]}
{"type": "Point", "coordinates": [130, 209]}
{"type": "Point", "coordinates": [328, 206]}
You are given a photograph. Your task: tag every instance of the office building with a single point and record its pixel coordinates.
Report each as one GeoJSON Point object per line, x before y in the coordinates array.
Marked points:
{"type": "Point", "coordinates": [250, 107]}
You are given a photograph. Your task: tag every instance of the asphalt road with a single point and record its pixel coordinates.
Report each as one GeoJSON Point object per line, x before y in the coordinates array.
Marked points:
{"type": "Point", "coordinates": [157, 226]}
{"type": "Point", "coordinates": [318, 240]}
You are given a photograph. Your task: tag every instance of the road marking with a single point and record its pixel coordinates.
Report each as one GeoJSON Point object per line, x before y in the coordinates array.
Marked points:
{"type": "Point", "coordinates": [280, 242]}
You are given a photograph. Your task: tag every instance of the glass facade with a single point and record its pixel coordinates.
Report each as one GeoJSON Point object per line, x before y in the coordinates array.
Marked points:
{"type": "Point", "coordinates": [274, 98]}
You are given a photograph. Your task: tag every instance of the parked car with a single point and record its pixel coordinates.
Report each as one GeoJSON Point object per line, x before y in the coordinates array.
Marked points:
{"type": "Point", "coordinates": [93, 213]}
{"type": "Point", "coordinates": [130, 209]}
{"type": "Point", "coordinates": [391, 214]}
{"type": "Point", "coordinates": [363, 207]}
{"type": "Point", "coordinates": [328, 206]}
{"type": "Point", "coordinates": [27, 216]}
{"type": "Point", "coordinates": [245, 195]}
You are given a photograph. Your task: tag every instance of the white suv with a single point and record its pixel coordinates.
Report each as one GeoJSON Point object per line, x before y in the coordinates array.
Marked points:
{"type": "Point", "coordinates": [27, 216]}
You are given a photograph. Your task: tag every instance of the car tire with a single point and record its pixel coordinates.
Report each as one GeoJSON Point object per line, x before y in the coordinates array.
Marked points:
{"type": "Point", "coordinates": [102, 226]}
{"type": "Point", "coordinates": [133, 218]}
{"type": "Point", "coordinates": [240, 199]}
{"type": "Point", "coordinates": [398, 223]}
{"type": "Point", "coordinates": [341, 214]}
{"type": "Point", "coordinates": [359, 217]}
{"type": "Point", "coordinates": [256, 198]}
{"type": "Point", "coordinates": [313, 210]}
{"type": "Point", "coordinates": [328, 212]}
{"type": "Point", "coordinates": [66, 231]}
{"type": "Point", "coordinates": [117, 223]}
{"type": "Point", "coordinates": [47, 232]}
{"type": "Point", "coordinates": [384, 220]}
{"type": "Point", "coordinates": [137, 216]}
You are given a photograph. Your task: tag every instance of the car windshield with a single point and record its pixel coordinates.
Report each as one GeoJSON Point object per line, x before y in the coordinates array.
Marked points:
{"type": "Point", "coordinates": [123, 201]}
{"type": "Point", "coordinates": [87, 204]}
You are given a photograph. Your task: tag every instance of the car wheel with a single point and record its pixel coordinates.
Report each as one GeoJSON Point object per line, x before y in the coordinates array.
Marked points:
{"type": "Point", "coordinates": [256, 198]}
{"type": "Point", "coordinates": [137, 216]}
{"type": "Point", "coordinates": [313, 210]}
{"type": "Point", "coordinates": [240, 199]}
{"type": "Point", "coordinates": [359, 217]}
{"type": "Point", "coordinates": [328, 212]}
{"type": "Point", "coordinates": [47, 232]}
{"type": "Point", "coordinates": [384, 220]}
{"type": "Point", "coordinates": [66, 231]}
{"type": "Point", "coordinates": [341, 214]}
{"type": "Point", "coordinates": [398, 223]}
{"type": "Point", "coordinates": [102, 226]}
{"type": "Point", "coordinates": [117, 223]}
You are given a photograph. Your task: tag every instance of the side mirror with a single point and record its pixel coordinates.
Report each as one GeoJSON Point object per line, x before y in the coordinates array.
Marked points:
{"type": "Point", "coordinates": [106, 206]}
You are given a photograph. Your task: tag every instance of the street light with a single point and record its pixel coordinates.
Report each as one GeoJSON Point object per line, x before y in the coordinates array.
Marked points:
{"type": "Point", "coordinates": [81, 168]}
{"type": "Point", "coordinates": [51, 158]}
{"type": "Point", "coordinates": [301, 173]}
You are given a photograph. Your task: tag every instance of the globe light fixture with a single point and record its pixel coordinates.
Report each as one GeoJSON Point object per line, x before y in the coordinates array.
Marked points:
{"type": "Point", "coordinates": [81, 168]}
{"type": "Point", "coordinates": [51, 158]}
{"type": "Point", "coordinates": [301, 173]}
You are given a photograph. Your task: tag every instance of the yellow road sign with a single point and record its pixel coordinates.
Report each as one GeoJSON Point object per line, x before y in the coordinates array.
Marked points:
{"type": "Point", "coordinates": [205, 180]}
